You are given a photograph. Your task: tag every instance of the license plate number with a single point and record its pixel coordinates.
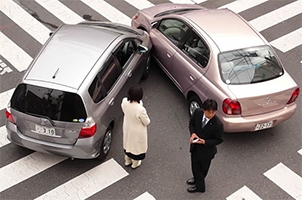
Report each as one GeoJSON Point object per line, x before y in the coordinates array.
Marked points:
{"type": "Point", "coordinates": [45, 131]}
{"type": "Point", "coordinates": [264, 125]}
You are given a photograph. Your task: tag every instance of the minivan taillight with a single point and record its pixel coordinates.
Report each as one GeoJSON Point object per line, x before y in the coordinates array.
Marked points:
{"type": "Point", "coordinates": [9, 116]}
{"type": "Point", "coordinates": [294, 96]}
{"type": "Point", "coordinates": [231, 107]}
{"type": "Point", "coordinates": [89, 129]}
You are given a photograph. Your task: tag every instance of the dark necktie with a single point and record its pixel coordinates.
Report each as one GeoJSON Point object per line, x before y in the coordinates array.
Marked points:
{"type": "Point", "coordinates": [203, 122]}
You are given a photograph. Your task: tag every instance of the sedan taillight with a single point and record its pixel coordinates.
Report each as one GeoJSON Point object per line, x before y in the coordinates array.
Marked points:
{"type": "Point", "coordinates": [231, 107]}
{"type": "Point", "coordinates": [9, 116]}
{"type": "Point", "coordinates": [89, 129]}
{"type": "Point", "coordinates": [294, 96]}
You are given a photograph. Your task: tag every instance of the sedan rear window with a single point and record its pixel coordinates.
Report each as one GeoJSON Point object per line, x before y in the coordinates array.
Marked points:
{"type": "Point", "coordinates": [251, 65]}
{"type": "Point", "coordinates": [53, 104]}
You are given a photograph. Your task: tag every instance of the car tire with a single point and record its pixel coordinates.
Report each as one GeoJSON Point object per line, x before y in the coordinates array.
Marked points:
{"type": "Point", "coordinates": [147, 69]}
{"type": "Point", "coordinates": [106, 144]}
{"type": "Point", "coordinates": [194, 102]}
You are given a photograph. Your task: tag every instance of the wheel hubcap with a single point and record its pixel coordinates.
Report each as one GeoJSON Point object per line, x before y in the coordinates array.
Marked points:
{"type": "Point", "coordinates": [107, 142]}
{"type": "Point", "coordinates": [193, 106]}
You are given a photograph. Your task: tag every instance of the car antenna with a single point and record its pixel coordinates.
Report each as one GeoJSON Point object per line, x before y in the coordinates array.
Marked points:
{"type": "Point", "coordinates": [54, 76]}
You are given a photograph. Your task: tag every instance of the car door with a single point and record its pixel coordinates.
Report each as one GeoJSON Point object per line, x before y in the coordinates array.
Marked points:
{"type": "Point", "coordinates": [165, 39]}
{"type": "Point", "coordinates": [190, 61]}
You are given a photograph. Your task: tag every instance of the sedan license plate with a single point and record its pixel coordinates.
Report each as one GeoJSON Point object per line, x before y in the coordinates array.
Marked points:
{"type": "Point", "coordinates": [263, 125]}
{"type": "Point", "coordinates": [45, 131]}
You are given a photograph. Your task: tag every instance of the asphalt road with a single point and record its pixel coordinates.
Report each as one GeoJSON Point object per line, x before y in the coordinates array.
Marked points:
{"type": "Point", "coordinates": [242, 158]}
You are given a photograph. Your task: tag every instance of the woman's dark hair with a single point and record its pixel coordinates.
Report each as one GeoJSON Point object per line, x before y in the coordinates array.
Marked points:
{"type": "Point", "coordinates": [135, 93]}
{"type": "Point", "coordinates": [209, 104]}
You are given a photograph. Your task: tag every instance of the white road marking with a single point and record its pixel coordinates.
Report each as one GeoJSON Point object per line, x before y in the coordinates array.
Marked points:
{"type": "Point", "coordinates": [13, 53]}
{"type": "Point", "coordinates": [277, 16]}
{"type": "Point", "coordinates": [145, 196]}
{"type": "Point", "coordinates": [25, 168]}
{"type": "Point", "coordinates": [88, 183]}
{"type": "Point", "coordinates": [286, 179]}
{"type": "Point", "coordinates": [5, 98]}
{"type": "Point", "coordinates": [242, 5]}
{"type": "Point", "coordinates": [288, 41]}
{"type": "Point", "coordinates": [62, 12]}
{"type": "Point", "coordinates": [141, 4]}
{"type": "Point", "coordinates": [244, 193]}
{"type": "Point", "coordinates": [300, 151]}
{"type": "Point", "coordinates": [108, 11]}
{"type": "Point", "coordinates": [3, 139]}
{"type": "Point", "coordinates": [199, 1]}
{"type": "Point", "coordinates": [28, 23]}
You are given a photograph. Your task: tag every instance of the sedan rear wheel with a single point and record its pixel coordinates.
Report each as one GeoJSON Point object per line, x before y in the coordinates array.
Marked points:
{"type": "Point", "coordinates": [194, 102]}
{"type": "Point", "coordinates": [106, 144]}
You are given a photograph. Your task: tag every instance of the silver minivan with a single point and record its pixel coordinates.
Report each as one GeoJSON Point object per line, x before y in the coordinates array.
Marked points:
{"type": "Point", "coordinates": [69, 98]}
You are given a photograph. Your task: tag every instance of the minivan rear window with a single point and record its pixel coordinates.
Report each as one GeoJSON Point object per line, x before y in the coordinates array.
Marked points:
{"type": "Point", "coordinates": [54, 104]}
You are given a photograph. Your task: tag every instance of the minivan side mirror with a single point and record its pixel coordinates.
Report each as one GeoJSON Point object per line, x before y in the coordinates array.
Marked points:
{"type": "Point", "coordinates": [142, 49]}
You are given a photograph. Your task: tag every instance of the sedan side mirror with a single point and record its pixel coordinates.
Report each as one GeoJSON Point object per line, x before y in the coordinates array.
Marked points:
{"type": "Point", "coordinates": [154, 24]}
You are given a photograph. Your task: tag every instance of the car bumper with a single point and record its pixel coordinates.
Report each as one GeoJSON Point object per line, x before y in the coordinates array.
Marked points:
{"type": "Point", "coordinates": [85, 148]}
{"type": "Point", "coordinates": [248, 124]}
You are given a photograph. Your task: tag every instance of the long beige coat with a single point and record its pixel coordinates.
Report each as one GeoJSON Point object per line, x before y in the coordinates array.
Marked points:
{"type": "Point", "coordinates": [135, 124]}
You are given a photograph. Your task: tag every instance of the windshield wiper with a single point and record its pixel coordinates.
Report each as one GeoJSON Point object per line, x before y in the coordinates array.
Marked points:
{"type": "Point", "coordinates": [45, 117]}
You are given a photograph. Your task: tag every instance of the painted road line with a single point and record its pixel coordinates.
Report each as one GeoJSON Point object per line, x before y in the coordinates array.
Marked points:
{"type": "Point", "coordinates": [243, 193]}
{"type": "Point", "coordinates": [288, 41]}
{"type": "Point", "coordinates": [3, 137]}
{"type": "Point", "coordinates": [88, 183]}
{"type": "Point", "coordinates": [145, 196]}
{"type": "Point", "coordinates": [140, 4]}
{"type": "Point", "coordinates": [300, 152]}
{"type": "Point", "coordinates": [286, 179]}
{"type": "Point", "coordinates": [13, 53]}
{"type": "Point", "coordinates": [62, 12]}
{"type": "Point", "coordinates": [108, 11]}
{"type": "Point", "coordinates": [277, 16]}
{"type": "Point", "coordinates": [5, 98]}
{"type": "Point", "coordinates": [4, 68]}
{"type": "Point", "coordinates": [25, 168]}
{"type": "Point", "coordinates": [182, 1]}
{"type": "Point", "coordinates": [199, 1]}
{"type": "Point", "coordinates": [242, 5]}
{"type": "Point", "coordinates": [28, 23]}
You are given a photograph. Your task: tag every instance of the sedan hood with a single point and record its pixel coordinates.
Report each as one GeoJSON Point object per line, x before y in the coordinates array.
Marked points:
{"type": "Point", "coordinates": [264, 97]}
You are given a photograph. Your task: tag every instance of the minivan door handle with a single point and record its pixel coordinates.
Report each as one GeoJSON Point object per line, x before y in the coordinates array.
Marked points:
{"type": "Point", "coordinates": [129, 73]}
{"type": "Point", "coordinates": [111, 102]}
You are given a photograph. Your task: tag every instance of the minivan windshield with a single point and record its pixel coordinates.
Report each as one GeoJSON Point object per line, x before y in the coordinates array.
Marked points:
{"type": "Point", "coordinates": [49, 103]}
{"type": "Point", "coordinates": [251, 65]}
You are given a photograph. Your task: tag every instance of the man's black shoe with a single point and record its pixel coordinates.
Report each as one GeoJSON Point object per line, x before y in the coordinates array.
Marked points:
{"type": "Point", "coordinates": [194, 189]}
{"type": "Point", "coordinates": [191, 181]}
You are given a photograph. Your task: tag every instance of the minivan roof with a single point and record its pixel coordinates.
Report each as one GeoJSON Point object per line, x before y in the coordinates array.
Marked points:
{"type": "Point", "coordinates": [71, 54]}
{"type": "Point", "coordinates": [228, 30]}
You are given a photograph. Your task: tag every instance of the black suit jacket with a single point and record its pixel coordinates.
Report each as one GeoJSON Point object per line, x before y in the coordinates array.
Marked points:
{"type": "Point", "coordinates": [212, 133]}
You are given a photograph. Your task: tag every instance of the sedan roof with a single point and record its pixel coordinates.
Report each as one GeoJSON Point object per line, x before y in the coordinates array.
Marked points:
{"type": "Point", "coordinates": [228, 30]}
{"type": "Point", "coordinates": [70, 54]}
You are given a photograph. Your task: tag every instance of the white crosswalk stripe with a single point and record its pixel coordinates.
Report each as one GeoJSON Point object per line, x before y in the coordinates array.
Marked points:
{"type": "Point", "coordinates": [286, 179]}
{"type": "Point", "coordinates": [110, 172]}
{"type": "Point", "coordinates": [88, 183]}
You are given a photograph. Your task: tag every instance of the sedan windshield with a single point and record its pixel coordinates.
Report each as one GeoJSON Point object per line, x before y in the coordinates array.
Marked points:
{"type": "Point", "coordinates": [251, 65]}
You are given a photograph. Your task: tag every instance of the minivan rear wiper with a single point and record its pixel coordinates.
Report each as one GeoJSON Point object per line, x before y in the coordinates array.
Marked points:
{"type": "Point", "coordinates": [42, 116]}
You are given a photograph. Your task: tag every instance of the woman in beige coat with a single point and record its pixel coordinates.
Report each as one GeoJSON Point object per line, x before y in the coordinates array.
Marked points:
{"type": "Point", "coordinates": [136, 120]}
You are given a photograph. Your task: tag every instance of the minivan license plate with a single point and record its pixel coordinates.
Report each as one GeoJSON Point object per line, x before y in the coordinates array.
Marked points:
{"type": "Point", "coordinates": [263, 125]}
{"type": "Point", "coordinates": [45, 131]}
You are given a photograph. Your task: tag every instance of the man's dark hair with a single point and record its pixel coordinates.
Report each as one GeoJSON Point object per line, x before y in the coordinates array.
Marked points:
{"type": "Point", "coordinates": [135, 93]}
{"type": "Point", "coordinates": [209, 104]}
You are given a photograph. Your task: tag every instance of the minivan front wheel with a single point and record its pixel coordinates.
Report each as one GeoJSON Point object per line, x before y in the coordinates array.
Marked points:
{"type": "Point", "coordinates": [194, 102]}
{"type": "Point", "coordinates": [147, 68]}
{"type": "Point", "coordinates": [106, 144]}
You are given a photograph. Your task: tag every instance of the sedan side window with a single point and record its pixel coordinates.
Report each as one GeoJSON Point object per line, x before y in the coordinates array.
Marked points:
{"type": "Point", "coordinates": [196, 49]}
{"type": "Point", "coordinates": [104, 80]}
{"type": "Point", "coordinates": [173, 29]}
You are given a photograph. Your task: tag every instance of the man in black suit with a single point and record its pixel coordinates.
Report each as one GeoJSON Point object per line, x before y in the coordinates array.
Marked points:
{"type": "Point", "coordinates": [206, 132]}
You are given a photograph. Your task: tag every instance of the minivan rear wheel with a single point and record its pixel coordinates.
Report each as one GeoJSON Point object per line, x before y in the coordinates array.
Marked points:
{"type": "Point", "coordinates": [194, 102]}
{"type": "Point", "coordinates": [106, 144]}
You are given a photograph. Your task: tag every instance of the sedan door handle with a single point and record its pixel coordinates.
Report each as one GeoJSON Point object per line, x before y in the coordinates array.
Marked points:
{"type": "Point", "coordinates": [192, 78]}
{"type": "Point", "coordinates": [129, 73]}
{"type": "Point", "coordinates": [169, 56]}
{"type": "Point", "coordinates": [111, 102]}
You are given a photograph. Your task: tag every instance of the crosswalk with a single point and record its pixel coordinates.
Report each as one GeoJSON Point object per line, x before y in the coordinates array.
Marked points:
{"type": "Point", "coordinates": [15, 58]}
